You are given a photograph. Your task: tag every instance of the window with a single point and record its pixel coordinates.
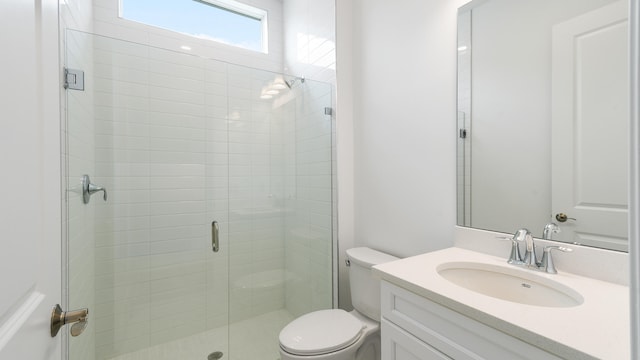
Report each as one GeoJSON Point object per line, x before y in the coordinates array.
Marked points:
{"type": "Point", "coordinates": [224, 21]}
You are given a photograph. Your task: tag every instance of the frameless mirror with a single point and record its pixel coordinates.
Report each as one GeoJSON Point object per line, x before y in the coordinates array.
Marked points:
{"type": "Point", "coordinates": [543, 118]}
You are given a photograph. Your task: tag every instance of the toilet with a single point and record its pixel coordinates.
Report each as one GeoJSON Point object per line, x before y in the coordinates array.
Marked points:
{"type": "Point", "coordinates": [336, 334]}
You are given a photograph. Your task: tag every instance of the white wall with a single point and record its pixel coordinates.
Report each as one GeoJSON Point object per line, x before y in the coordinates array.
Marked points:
{"type": "Point", "coordinates": [309, 39]}
{"type": "Point", "coordinates": [404, 92]}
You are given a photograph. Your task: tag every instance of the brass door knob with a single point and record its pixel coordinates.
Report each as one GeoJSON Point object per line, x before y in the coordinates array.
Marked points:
{"type": "Point", "coordinates": [562, 217]}
{"type": "Point", "coordinates": [79, 319]}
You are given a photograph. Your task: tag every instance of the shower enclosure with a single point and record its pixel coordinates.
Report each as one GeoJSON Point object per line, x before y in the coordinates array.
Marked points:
{"type": "Point", "coordinates": [187, 147]}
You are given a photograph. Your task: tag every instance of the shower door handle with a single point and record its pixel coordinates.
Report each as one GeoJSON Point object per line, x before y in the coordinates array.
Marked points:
{"type": "Point", "coordinates": [215, 243]}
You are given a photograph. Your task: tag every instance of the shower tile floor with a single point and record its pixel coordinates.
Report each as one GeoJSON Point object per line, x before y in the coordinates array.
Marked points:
{"type": "Point", "coordinates": [252, 339]}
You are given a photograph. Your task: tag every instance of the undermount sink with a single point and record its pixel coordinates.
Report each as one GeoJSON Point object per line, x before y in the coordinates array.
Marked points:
{"type": "Point", "coordinates": [511, 284]}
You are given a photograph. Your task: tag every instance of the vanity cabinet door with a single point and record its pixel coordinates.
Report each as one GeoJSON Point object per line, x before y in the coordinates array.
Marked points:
{"type": "Point", "coordinates": [451, 333]}
{"type": "Point", "coordinates": [398, 344]}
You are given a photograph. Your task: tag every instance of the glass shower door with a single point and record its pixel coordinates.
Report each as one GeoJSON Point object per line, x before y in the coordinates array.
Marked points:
{"type": "Point", "coordinates": [180, 142]}
{"type": "Point", "coordinates": [149, 127]}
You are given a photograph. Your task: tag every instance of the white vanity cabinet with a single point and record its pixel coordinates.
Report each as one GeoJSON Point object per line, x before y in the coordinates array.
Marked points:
{"type": "Point", "coordinates": [415, 328]}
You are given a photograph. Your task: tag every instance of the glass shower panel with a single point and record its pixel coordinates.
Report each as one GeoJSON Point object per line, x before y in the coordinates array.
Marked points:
{"type": "Point", "coordinates": [308, 183]}
{"type": "Point", "coordinates": [79, 218]}
{"type": "Point", "coordinates": [147, 128]}
{"type": "Point", "coordinates": [279, 206]}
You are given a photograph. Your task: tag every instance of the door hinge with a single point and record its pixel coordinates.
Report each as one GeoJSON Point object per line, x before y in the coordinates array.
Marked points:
{"type": "Point", "coordinates": [74, 79]}
{"type": "Point", "coordinates": [463, 133]}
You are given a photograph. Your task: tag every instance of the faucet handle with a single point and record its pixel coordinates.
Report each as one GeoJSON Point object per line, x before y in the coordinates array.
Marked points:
{"type": "Point", "coordinates": [530, 259]}
{"type": "Point", "coordinates": [522, 234]}
{"type": "Point", "coordinates": [547, 260]}
{"type": "Point", "coordinates": [514, 257]}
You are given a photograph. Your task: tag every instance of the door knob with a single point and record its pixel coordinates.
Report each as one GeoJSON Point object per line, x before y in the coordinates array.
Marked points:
{"type": "Point", "coordinates": [79, 319]}
{"type": "Point", "coordinates": [562, 217]}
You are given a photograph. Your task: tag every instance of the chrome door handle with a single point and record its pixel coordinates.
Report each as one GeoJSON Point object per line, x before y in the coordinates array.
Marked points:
{"type": "Point", "coordinates": [79, 319]}
{"type": "Point", "coordinates": [215, 242]}
{"type": "Point", "coordinates": [89, 189]}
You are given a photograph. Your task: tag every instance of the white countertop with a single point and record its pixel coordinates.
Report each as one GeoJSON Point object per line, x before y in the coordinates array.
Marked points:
{"type": "Point", "coordinates": [598, 328]}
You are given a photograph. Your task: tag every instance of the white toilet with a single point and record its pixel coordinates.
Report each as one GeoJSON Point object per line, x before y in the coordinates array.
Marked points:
{"type": "Point", "coordinates": [336, 334]}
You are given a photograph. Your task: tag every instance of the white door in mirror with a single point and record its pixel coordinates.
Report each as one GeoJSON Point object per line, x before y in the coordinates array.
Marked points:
{"type": "Point", "coordinates": [590, 116]}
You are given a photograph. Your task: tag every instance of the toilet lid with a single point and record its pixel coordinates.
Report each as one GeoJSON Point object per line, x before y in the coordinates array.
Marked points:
{"type": "Point", "coordinates": [320, 332]}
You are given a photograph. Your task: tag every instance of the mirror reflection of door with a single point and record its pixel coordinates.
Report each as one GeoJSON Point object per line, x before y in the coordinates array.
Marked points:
{"type": "Point", "coordinates": [590, 115]}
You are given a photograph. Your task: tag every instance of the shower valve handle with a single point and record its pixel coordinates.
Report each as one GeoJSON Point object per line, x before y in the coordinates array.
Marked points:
{"type": "Point", "coordinates": [89, 189]}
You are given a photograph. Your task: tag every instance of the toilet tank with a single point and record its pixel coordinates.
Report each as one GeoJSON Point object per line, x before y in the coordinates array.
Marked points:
{"type": "Point", "coordinates": [365, 289]}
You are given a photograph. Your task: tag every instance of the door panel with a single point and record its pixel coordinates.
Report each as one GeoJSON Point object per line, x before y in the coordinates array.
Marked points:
{"type": "Point", "coordinates": [29, 187]}
{"type": "Point", "coordinates": [590, 107]}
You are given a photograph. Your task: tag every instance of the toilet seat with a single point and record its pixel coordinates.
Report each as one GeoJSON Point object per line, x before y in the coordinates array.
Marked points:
{"type": "Point", "coordinates": [321, 332]}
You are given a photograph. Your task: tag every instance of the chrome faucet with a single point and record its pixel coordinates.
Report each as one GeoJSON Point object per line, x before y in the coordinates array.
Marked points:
{"type": "Point", "coordinates": [550, 229]}
{"type": "Point", "coordinates": [530, 259]}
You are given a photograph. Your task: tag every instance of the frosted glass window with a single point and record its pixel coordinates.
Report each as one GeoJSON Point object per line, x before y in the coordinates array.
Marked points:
{"type": "Point", "coordinates": [224, 21]}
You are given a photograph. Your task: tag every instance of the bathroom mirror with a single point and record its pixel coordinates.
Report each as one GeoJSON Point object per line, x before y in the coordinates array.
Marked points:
{"type": "Point", "coordinates": [543, 118]}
